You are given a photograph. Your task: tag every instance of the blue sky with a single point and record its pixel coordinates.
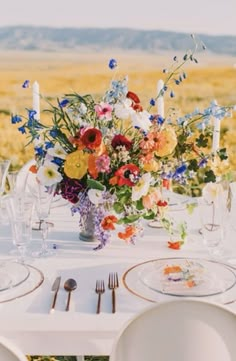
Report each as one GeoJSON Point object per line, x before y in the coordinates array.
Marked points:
{"type": "Point", "coordinates": [190, 16]}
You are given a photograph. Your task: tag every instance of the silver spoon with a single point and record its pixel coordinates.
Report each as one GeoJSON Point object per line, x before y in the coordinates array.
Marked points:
{"type": "Point", "coordinates": [70, 285]}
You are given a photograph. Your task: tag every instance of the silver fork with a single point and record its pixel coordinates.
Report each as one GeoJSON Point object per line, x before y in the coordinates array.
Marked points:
{"type": "Point", "coordinates": [113, 283]}
{"type": "Point", "coordinates": [99, 289]}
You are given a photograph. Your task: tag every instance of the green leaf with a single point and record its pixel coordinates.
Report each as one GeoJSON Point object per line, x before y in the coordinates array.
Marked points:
{"type": "Point", "coordinates": [93, 184]}
{"type": "Point", "coordinates": [202, 141]}
{"type": "Point", "coordinates": [139, 205]}
{"type": "Point", "coordinates": [193, 165]}
{"type": "Point", "coordinates": [118, 207]}
{"type": "Point", "coordinates": [190, 207]}
{"type": "Point", "coordinates": [131, 219]}
{"type": "Point", "coordinates": [209, 177]}
{"type": "Point", "coordinates": [222, 153]}
{"type": "Point", "coordinates": [149, 216]}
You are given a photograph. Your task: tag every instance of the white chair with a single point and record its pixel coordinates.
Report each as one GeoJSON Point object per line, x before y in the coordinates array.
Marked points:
{"type": "Point", "coordinates": [9, 351]}
{"type": "Point", "coordinates": [178, 330]}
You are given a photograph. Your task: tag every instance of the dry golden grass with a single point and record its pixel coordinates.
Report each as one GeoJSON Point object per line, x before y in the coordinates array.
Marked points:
{"type": "Point", "coordinates": [60, 73]}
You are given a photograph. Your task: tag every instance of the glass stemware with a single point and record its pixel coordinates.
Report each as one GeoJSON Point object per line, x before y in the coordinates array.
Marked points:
{"type": "Point", "coordinates": [20, 210]}
{"type": "Point", "coordinates": [43, 196]}
{"type": "Point", "coordinates": [4, 166]}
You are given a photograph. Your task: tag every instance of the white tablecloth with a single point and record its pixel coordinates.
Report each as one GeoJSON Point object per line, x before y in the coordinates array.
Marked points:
{"type": "Point", "coordinates": [81, 331]}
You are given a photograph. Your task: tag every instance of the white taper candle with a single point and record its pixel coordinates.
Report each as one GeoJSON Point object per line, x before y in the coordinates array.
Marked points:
{"type": "Point", "coordinates": [160, 100]}
{"type": "Point", "coordinates": [36, 100]}
{"type": "Point", "coordinates": [216, 133]}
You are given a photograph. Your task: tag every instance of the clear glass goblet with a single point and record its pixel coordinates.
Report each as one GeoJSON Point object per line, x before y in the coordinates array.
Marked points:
{"type": "Point", "coordinates": [43, 197]}
{"type": "Point", "coordinates": [20, 210]}
{"type": "Point", "coordinates": [4, 166]}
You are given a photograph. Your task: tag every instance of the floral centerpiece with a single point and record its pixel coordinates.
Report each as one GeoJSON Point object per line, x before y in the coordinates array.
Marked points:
{"type": "Point", "coordinates": [112, 157]}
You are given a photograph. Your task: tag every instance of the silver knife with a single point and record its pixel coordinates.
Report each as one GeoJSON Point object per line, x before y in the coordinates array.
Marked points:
{"type": "Point", "coordinates": [55, 289]}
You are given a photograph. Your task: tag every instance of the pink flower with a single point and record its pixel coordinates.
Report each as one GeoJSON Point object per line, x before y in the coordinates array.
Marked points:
{"type": "Point", "coordinates": [103, 111]}
{"type": "Point", "coordinates": [103, 163]}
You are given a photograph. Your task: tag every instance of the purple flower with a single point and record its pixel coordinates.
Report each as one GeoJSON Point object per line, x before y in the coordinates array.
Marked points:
{"type": "Point", "coordinates": [112, 64]}
{"type": "Point", "coordinates": [22, 129]}
{"type": "Point", "coordinates": [15, 119]}
{"type": "Point", "coordinates": [152, 102]}
{"type": "Point", "coordinates": [26, 84]}
{"type": "Point", "coordinates": [63, 103]}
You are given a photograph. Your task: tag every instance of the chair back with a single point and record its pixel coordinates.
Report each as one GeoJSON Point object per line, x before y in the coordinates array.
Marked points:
{"type": "Point", "coordinates": [9, 351]}
{"type": "Point", "coordinates": [178, 330]}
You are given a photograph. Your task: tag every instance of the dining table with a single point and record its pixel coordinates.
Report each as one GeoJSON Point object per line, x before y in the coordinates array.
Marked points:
{"type": "Point", "coordinates": [25, 310]}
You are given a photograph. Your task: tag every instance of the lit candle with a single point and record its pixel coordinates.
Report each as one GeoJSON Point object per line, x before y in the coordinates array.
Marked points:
{"type": "Point", "coordinates": [216, 133]}
{"type": "Point", "coordinates": [160, 99]}
{"type": "Point", "coordinates": [36, 100]}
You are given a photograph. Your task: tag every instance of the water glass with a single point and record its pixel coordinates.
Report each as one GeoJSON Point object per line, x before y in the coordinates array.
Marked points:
{"type": "Point", "coordinates": [4, 166]}
{"type": "Point", "coordinates": [214, 219]}
{"type": "Point", "coordinates": [20, 210]}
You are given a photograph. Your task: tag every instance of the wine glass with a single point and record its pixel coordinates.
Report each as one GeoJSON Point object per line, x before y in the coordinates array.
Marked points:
{"type": "Point", "coordinates": [43, 196]}
{"type": "Point", "coordinates": [4, 166]}
{"type": "Point", "coordinates": [20, 210]}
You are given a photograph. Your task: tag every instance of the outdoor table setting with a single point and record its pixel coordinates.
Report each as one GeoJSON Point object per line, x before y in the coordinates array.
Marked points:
{"type": "Point", "coordinates": [26, 310]}
{"type": "Point", "coordinates": [121, 207]}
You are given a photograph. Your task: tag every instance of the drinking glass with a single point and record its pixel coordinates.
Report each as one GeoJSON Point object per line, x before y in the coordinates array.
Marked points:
{"type": "Point", "coordinates": [12, 180]}
{"type": "Point", "coordinates": [20, 210]}
{"type": "Point", "coordinates": [214, 217]}
{"type": "Point", "coordinates": [4, 166]}
{"type": "Point", "coordinates": [42, 196]}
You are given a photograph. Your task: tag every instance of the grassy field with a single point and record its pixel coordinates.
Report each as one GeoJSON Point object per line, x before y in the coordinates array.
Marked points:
{"type": "Point", "coordinates": [60, 73]}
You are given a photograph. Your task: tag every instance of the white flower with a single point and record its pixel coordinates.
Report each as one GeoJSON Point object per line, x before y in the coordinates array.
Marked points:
{"type": "Point", "coordinates": [142, 187]}
{"type": "Point", "coordinates": [123, 110]}
{"type": "Point", "coordinates": [141, 120]}
{"type": "Point", "coordinates": [48, 174]}
{"type": "Point", "coordinates": [57, 151]}
{"type": "Point", "coordinates": [211, 191]}
{"type": "Point", "coordinates": [82, 109]}
{"type": "Point", "coordinates": [95, 196]}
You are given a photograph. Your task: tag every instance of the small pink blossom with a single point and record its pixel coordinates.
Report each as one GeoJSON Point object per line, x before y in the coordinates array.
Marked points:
{"type": "Point", "coordinates": [103, 111]}
{"type": "Point", "coordinates": [103, 163]}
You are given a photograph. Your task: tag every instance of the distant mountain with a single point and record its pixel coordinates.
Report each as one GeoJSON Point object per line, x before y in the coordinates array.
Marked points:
{"type": "Point", "coordinates": [152, 41]}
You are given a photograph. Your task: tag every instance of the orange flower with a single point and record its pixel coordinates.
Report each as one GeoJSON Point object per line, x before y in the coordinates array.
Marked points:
{"type": "Point", "coordinates": [190, 283]}
{"type": "Point", "coordinates": [172, 269]}
{"type": "Point", "coordinates": [92, 166]}
{"type": "Point", "coordinates": [33, 169]}
{"type": "Point", "coordinates": [129, 232]}
{"type": "Point", "coordinates": [150, 199]}
{"type": "Point", "coordinates": [175, 245]}
{"type": "Point", "coordinates": [108, 222]}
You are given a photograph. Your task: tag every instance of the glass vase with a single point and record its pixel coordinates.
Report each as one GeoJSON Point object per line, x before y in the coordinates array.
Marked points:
{"type": "Point", "coordinates": [87, 226]}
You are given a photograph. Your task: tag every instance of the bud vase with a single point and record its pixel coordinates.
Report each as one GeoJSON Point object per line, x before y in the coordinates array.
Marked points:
{"type": "Point", "coordinates": [87, 227]}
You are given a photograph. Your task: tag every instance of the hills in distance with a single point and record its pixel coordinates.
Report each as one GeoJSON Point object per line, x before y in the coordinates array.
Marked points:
{"type": "Point", "coordinates": [50, 39]}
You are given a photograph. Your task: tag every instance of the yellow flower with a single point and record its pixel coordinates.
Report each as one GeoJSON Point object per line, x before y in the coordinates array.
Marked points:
{"type": "Point", "coordinates": [76, 164]}
{"type": "Point", "coordinates": [220, 167]}
{"type": "Point", "coordinates": [167, 142]}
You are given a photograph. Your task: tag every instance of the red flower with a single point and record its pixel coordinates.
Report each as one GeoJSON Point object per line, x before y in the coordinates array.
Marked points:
{"type": "Point", "coordinates": [137, 107]}
{"type": "Point", "coordinates": [162, 203]}
{"type": "Point", "coordinates": [92, 138]}
{"type": "Point", "coordinates": [121, 140]}
{"type": "Point", "coordinates": [108, 222]}
{"type": "Point", "coordinates": [133, 97]}
{"type": "Point", "coordinates": [127, 174]}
